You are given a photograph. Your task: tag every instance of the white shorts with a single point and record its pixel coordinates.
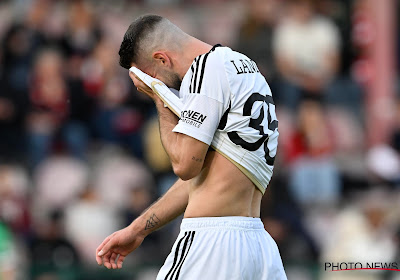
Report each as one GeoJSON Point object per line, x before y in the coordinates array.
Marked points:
{"type": "Point", "coordinates": [220, 248]}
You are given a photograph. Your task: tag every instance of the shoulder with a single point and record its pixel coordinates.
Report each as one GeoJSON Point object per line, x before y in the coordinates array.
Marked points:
{"type": "Point", "coordinates": [208, 68]}
{"type": "Point", "coordinates": [213, 61]}
{"type": "Point", "coordinates": [231, 63]}
{"type": "Point", "coordinates": [221, 57]}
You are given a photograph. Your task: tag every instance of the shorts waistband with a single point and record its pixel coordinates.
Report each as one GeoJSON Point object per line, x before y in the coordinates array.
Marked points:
{"type": "Point", "coordinates": [234, 222]}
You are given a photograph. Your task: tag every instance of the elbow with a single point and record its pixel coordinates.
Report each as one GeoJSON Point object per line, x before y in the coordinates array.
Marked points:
{"type": "Point", "coordinates": [185, 172]}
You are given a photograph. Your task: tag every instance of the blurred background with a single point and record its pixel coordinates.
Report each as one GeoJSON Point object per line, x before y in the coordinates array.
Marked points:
{"type": "Point", "coordinates": [80, 155]}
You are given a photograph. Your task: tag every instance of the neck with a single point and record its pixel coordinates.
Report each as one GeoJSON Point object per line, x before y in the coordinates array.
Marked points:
{"type": "Point", "coordinates": [193, 48]}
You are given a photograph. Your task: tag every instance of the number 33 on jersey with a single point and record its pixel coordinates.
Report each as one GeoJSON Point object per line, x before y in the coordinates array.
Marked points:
{"type": "Point", "coordinates": [228, 105]}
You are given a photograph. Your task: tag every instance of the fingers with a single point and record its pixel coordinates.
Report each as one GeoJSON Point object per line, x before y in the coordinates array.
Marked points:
{"type": "Point", "coordinates": [112, 260]}
{"type": "Point", "coordinates": [133, 75]}
{"type": "Point", "coordinates": [120, 261]}
{"type": "Point", "coordinates": [105, 255]}
{"type": "Point", "coordinates": [140, 85]}
{"type": "Point", "coordinates": [100, 251]}
{"type": "Point", "coordinates": [135, 79]}
{"type": "Point", "coordinates": [99, 260]}
{"type": "Point", "coordinates": [106, 260]}
{"type": "Point", "coordinates": [104, 247]}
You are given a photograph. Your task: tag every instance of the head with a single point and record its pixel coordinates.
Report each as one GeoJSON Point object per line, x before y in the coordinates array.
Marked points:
{"type": "Point", "coordinates": [302, 10]}
{"type": "Point", "coordinates": [264, 11]}
{"type": "Point", "coordinates": [154, 45]}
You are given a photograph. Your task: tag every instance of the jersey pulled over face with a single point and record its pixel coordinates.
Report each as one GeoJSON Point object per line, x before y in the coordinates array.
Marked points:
{"type": "Point", "coordinates": [224, 91]}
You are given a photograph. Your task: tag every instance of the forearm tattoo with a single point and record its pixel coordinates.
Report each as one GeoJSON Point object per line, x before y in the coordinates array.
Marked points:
{"type": "Point", "coordinates": [152, 222]}
{"type": "Point", "coordinates": [197, 159]}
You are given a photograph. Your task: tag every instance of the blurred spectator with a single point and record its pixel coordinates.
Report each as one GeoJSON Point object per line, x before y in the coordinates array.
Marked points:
{"type": "Point", "coordinates": [256, 32]}
{"type": "Point", "coordinates": [8, 258]}
{"type": "Point", "coordinates": [49, 96]}
{"type": "Point", "coordinates": [346, 133]}
{"type": "Point", "coordinates": [87, 222]}
{"type": "Point", "coordinates": [388, 153]}
{"type": "Point", "coordinates": [347, 136]}
{"type": "Point", "coordinates": [340, 12]}
{"type": "Point", "coordinates": [156, 156]}
{"type": "Point", "coordinates": [116, 174]}
{"type": "Point", "coordinates": [284, 222]}
{"type": "Point", "coordinates": [314, 177]}
{"type": "Point", "coordinates": [17, 50]}
{"type": "Point", "coordinates": [384, 173]}
{"type": "Point", "coordinates": [58, 181]}
{"type": "Point", "coordinates": [13, 199]}
{"type": "Point", "coordinates": [362, 233]}
{"type": "Point", "coordinates": [306, 47]}
{"type": "Point", "coordinates": [114, 121]}
{"type": "Point", "coordinates": [50, 251]}
{"type": "Point", "coordinates": [311, 137]}
{"type": "Point", "coordinates": [83, 32]}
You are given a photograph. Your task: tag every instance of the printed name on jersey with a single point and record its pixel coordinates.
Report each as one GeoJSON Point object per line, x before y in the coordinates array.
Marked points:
{"type": "Point", "coordinates": [193, 118]}
{"type": "Point", "coordinates": [244, 66]}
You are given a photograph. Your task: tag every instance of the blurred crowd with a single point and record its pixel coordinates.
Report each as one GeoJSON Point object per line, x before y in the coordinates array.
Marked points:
{"type": "Point", "coordinates": [80, 154]}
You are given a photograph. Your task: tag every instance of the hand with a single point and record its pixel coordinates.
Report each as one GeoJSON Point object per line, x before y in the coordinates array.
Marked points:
{"type": "Point", "coordinates": [121, 243]}
{"type": "Point", "coordinates": [141, 86]}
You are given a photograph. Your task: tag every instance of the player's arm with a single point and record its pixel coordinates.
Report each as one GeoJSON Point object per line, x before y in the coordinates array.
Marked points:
{"type": "Point", "coordinates": [124, 241]}
{"type": "Point", "coordinates": [187, 140]}
{"type": "Point", "coordinates": [186, 153]}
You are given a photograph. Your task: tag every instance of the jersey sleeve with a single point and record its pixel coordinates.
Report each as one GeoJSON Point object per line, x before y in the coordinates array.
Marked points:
{"type": "Point", "coordinates": [205, 100]}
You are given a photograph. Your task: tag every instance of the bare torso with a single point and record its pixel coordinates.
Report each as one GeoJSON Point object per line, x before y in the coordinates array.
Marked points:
{"type": "Point", "coordinates": [221, 189]}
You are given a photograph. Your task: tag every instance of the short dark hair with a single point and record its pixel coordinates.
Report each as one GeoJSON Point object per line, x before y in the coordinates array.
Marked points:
{"type": "Point", "coordinates": [128, 52]}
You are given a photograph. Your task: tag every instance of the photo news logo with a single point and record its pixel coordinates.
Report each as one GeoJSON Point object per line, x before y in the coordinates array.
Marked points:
{"type": "Point", "coordinates": [343, 266]}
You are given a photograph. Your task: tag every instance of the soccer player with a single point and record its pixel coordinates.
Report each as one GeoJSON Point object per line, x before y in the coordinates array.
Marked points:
{"type": "Point", "coordinates": [222, 148]}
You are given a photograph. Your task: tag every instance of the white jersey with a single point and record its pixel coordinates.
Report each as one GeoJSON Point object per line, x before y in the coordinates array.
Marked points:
{"type": "Point", "coordinates": [228, 104]}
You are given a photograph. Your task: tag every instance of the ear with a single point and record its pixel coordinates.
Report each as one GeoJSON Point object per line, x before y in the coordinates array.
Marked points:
{"type": "Point", "coordinates": [161, 58]}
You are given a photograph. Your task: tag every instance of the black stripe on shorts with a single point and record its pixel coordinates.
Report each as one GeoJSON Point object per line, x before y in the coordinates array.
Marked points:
{"type": "Point", "coordinates": [180, 266]}
{"type": "Point", "coordinates": [176, 255]}
{"type": "Point", "coordinates": [177, 265]}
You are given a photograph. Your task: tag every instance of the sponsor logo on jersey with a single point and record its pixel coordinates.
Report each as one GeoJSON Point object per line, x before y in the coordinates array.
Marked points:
{"type": "Point", "coordinates": [193, 118]}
